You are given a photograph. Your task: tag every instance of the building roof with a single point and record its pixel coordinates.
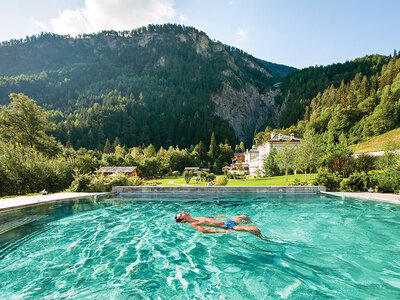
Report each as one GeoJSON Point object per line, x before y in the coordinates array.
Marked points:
{"type": "Point", "coordinates": [239, 154]}
{"type": "Point", "coordinates": [196, 169]}
{"type": "Point", "coordinates": [283, 138]}
{"type": "Point", "coordinates": [116, 169]}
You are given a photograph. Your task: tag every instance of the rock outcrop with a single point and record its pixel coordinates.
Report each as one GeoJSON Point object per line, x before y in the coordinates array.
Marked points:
{"type": "Point", "coordinates": [245, 109]}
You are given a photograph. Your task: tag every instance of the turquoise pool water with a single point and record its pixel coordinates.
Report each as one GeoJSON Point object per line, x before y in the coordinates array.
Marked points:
{"type": "Point", "coordinates": [130, 248]}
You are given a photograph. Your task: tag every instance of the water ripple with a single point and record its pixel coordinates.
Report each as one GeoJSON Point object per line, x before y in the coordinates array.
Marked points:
{"type": "Point", "coordinates": [314, 248]}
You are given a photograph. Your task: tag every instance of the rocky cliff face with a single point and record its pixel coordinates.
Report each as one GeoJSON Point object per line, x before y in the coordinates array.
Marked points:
{"type": "Point", "coordinates": [246, 109]}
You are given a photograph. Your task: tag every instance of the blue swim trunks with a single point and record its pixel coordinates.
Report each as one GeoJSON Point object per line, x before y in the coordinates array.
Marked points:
{"type": "Point", "coordinates": [230, 224]}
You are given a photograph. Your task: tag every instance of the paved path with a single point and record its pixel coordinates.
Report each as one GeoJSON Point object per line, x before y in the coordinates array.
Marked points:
{"type": "Point", "coordinates": [16, 202]}
{"type": "Point", "coordinates": [389, 198]}
{"type": "Point", "coordinates": [171, 182]}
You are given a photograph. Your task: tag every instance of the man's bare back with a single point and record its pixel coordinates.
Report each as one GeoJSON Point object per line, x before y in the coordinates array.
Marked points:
{"type": "Point", "coordinates": [231, 225]}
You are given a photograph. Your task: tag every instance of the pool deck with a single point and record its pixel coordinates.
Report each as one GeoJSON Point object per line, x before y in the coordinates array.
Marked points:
{"type": "Point", "coordinates": [24, 201]}
{"type": "Point", "coordinates": [382, 197]}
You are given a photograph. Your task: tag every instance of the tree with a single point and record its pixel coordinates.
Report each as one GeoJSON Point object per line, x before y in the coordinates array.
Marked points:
{"type": "Point", "coordinates": [339, 157]}
{"type": "Point", "coordinates": [270, 166]}
{"type": "Point", "coordinates": [213, 152]}
{"type": "Point", "coordinates": [115, 143]}
{"type": "Point", "coordinates": [308, 153]}
{"type": "Point", "coordinates": [285, 158]}
{"type": "Point", "coordinates": [188, 176]}
{"type": "Point", "coordinates": [259, 138]}
{"type": "Point", "coordinates": [201, 151]}
{"type": "Point", "coordinates": [107, 147]}
{"type": "Point", "coordinates": [24, 122]}
{"type": "Point", "coordinates": [242, 148]}
{"type": "Point", "coordinates": [150, 151]}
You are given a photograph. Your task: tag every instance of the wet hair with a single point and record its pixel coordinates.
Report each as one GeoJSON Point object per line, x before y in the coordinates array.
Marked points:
{"type": "Point", "coordinates": [178, 220]}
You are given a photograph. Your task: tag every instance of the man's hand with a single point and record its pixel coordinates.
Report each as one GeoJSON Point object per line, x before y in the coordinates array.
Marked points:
{"type": "Point", "coordinates": [207, 230]}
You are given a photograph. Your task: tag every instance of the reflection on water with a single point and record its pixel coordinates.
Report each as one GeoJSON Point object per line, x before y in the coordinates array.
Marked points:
{"type": "Point", "coordinates": [130, 247]}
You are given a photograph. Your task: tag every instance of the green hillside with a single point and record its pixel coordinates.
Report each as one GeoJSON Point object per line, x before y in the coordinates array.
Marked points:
{"type": "Point", "coordinates": [300, 87]}
{"type": "Point", "coordinates": [379, 143]}
{"type": "Point", "coordinates": [278, 70]}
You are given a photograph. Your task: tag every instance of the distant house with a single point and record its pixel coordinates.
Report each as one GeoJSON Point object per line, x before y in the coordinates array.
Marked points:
{"type": "Point", "coordinates": [238, 158]}
{"type": "Point", "coordinates": [255, 156]}
{"type": "Point", "coordinates": [112, 171]}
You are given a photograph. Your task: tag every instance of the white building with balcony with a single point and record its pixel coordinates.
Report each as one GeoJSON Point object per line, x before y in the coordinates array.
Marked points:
{"type": "Point", "coordinates": [255, 156]}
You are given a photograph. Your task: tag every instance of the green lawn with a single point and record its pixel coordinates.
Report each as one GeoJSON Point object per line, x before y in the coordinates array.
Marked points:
{"type": "Point", "coordinates": [265, 181]}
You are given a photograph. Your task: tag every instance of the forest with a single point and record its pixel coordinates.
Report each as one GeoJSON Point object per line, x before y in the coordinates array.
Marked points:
{"type": "Point", "coordinates": [361, 100]}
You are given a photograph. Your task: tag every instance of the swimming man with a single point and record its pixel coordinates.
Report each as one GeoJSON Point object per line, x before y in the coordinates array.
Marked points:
{"type": "Point", "coordinates": [231, 225]}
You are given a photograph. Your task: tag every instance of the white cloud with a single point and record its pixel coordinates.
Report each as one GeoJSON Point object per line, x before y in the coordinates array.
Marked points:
{"type": "Point", "coordinates": [112, 14]}
{"type": "Point", "coordinates": [182, 19]}
{"type": "Point", "coordinates": [241, 34]}
{"type": "Point", "coordinates": [39, 24]}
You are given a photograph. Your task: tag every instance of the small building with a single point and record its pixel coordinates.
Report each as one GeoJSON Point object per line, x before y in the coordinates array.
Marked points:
{"type": "Point", "coordinates": [238, 158]}
{"type": "Point", "coordinates": [112, 171]}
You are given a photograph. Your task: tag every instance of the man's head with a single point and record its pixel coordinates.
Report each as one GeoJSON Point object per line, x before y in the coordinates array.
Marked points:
{"type": "Point", "coordinates": [180, 218]}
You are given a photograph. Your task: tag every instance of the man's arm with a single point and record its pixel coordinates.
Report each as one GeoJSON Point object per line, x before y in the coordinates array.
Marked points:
{"type": "Point", "coordinates": [207, 230]}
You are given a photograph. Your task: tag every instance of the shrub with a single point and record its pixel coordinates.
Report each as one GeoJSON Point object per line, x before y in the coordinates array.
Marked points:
{"type": "Point", "coordinates": [25, 170]}
{"type": "Point", "coordinates": [203, 176]}
{"type": "Point", "coordinates": [298, 182]}
{"type": "Point", "coordinates": [80, 183]}
{"type": "Point", "coordinates": [175, 173]}
{"type": "Point", "coordinates": [222, 181]}
{"type": "Point", "coordinates": [91, 183]}
{"type": "Point", "coordinates": [356, 182]}
{"type": "Point", "coordinates": [365, 163]}
{"type": "Point", "coordinates": [210, 177]}
{"type": "Point", "coordinates": [229, 175]}
{"type": "Point", "coordinates": [330, 180]}
{"type": "Point", "coordinates": [387, 181]}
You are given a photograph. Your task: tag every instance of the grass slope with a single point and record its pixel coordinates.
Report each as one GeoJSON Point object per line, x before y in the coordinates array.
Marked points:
{"type": "Point", "coordinates": [378, 143]}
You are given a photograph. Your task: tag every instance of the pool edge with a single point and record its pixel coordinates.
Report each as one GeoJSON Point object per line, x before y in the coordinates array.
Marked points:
{"type": "Point", "coordinates": [219, 189]}
{"type": "Point", "coordinates": [8, 204]}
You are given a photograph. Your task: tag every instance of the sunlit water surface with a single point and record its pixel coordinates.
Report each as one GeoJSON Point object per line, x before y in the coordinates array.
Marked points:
{"type": "Point", "coordinates": [131, 248]}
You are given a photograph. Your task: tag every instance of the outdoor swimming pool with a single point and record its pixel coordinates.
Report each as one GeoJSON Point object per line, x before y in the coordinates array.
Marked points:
{"type": "Point", "coordinates": [130, 248]}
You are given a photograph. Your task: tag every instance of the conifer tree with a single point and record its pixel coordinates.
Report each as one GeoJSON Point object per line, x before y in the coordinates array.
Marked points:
{"type": "Point", "coordinates": [201, 150]}
{"type": "Point", "coordinates": [115, 144]}
{"type": "Point", "coordinates": [107, 147]}
{"type": "Point", "coordinates": [213, 152]}
{"type": "Point", "coordinates": [271, 167]}
{"type": "Point", "coordinates": [242, 147]}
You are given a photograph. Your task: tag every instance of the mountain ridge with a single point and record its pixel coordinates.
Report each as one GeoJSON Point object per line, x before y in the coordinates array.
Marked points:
{"type": "Point", "coordinates": [161, 70]}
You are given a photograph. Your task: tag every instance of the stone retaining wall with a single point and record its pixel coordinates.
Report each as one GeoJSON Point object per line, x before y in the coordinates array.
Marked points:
{"type": "Point", "coordinates": [219, 189]}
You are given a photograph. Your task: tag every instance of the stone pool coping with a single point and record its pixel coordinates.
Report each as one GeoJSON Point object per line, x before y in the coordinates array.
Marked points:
{"type": "Point", "coordinates": [381, 197]}
{"type": "Point", "coordinates": [24, 201]}
{"type": "Point", "coordinates": [218, 189]}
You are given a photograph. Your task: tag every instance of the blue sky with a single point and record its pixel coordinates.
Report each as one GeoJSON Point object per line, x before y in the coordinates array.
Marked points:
{"type": "Point", "coordinates": [291, 32]}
